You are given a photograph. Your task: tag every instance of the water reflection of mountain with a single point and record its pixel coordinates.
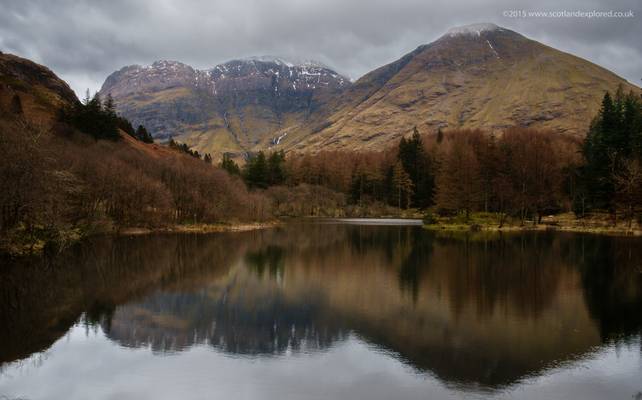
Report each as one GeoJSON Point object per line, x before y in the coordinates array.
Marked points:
{"type": "Point", "coordinates": [471, 310]}
{"type": "Point", "coordinates": [218, 317]}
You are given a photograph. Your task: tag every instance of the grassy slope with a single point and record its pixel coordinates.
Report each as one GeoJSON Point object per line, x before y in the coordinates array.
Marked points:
{"type": "Point", "coordinates": [527, 84]}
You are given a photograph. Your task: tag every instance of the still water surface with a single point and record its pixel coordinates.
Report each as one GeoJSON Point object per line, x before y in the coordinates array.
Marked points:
{"type": "Point", "coordinates": [326, 311]}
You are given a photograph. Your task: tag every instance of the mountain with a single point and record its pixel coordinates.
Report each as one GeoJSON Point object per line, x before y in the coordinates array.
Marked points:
{"type": "Point", "coordinates": [31, 98]}
{"type": "Point", "coordinates": [476, 76]}
{"type": "Point", "coordinates": [41, 94]}
{"type": "Point", "coordinates": [237, 106]}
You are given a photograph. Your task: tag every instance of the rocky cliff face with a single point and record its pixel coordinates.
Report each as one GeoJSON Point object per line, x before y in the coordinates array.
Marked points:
{"type": "Point", "coordinates": [234, 107]}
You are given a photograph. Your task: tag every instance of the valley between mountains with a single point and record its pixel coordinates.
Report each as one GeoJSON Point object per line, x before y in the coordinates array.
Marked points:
{"type": "Point", "coordinates": [482, 128]}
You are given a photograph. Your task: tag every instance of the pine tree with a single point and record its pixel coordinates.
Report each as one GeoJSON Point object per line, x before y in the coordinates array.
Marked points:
{"type": "Point", "coordinates": [275, 172]}
{"type": "Point", "coordinates": [229, 165]}
{"type": "Point", "coordinates": [126, 127]}
{"type": "Point", "coordinates": [418, 164]}
{"type": "Point", "coordinates": [256, 171]}
{"type": "Point", "coordinates": [93, 118]}
{"type": "Point", "coordinates": [611, 140]}
{"type": "Point", "coordinates": [110, 106]}
{"type": "Point", "coordinates": [143, 135]}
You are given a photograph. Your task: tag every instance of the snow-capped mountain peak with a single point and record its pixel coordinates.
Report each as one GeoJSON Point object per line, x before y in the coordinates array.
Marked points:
{"type": "Point", "coordinates": [286, 61]}
{"type": "Point", "coordinates": [473, 29]}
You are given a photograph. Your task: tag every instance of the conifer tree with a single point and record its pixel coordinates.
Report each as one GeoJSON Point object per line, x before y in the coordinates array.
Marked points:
{"type": "Point", "coordinates": [418, 164]}
{"type": "Point", "coordinates": [143, 135]}
{"type": "Point", "coordinates": [613, 139]}
{"type": "Point", "coordinates": [256, 171]}
{"type": "Point", "coordinates": [229, 165]}
{"type": "Point", "coordinates": [109, 106]}
{"type": "Point", "coordinates": [275, 172]}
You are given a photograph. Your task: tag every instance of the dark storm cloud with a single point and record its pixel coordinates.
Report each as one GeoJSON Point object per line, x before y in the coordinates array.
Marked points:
{"type": "Point", "coordinates": [84, 41]}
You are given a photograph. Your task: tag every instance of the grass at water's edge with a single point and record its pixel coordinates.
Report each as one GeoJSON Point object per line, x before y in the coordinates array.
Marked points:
{"type": "Point", "coordinates": [22, 242]}
{"type": "Point", "coordinates": [201, 228]}
{"type": "Point", "coordinates": [596, 224]}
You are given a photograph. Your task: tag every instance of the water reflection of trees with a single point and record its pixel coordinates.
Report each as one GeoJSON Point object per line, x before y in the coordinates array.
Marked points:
{"type": "Point", "coordinates": [41, 298]}
{"type": "Point", "coordinates": [472, 309]}
{"type": "Point", "coordinates": [269, 258]}
{"type": "Point", "coordinates": [511, 304]}
{"type": "Point", "coordinates": [611, 270]}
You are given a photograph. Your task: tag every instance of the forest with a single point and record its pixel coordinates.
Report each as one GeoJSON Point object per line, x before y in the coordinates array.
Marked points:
{"type": "Point", "coordinates": [77, 176]}
{"type": "Point", "coordinates": [522, 173]}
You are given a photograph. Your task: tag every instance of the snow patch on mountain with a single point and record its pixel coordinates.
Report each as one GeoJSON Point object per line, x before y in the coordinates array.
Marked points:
{"type": "Point", "coordinates": [472, 30]}
{"type": "Point", "coordinates": [288, 62]}
{"type": "Point", "coordinates": [492, 48]}
{"type": "Point", "coordinates": [276, 74]}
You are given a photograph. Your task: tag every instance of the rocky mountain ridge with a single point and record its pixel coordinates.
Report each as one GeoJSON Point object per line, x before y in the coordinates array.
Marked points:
{"type": "Point", "coordinates": [237, 105]}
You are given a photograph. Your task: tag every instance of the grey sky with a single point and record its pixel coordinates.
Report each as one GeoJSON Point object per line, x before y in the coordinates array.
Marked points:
{"type": "Point", "coordinates": [84, 41]}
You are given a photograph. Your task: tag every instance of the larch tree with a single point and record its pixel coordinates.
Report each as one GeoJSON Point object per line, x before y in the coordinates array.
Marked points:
{"type": "Point", "coordinates": [459, 181]}
{"type": "Point", "coordinates": [402, 184]}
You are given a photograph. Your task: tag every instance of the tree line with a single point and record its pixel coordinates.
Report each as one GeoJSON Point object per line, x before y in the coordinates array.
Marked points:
{"type": "Point", "coordinates": [520, 172]}
{"type": "Point", "coordinates": [58, 177]}
{"type": "Point", "coordinates": [524, 173]}
{"type": "Point", "coordinates": [184, 148]}
{"type": "Point", "coordinates": [99, 119]}
{"type": "Point", "coordinates": [611, 176]}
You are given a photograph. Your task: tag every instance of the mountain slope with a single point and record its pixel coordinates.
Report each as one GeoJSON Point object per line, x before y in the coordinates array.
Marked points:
{"type": "Point", "coordinates": [478, 76]}
{"type": "Point", "coordinates": [39, 91]}
{"type": "Point", "coordinates": [62, 178]}
{"type": "Point", "coordinates": [234, 107]}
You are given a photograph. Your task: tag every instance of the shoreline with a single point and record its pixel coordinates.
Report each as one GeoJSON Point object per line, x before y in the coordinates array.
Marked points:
{"type": "Point", "coordinates": [597, 223]}
{"type": "Point", "coordinates": [605, 230]}
{"type": "Point", "coordinates": [197, 228]}
{"type": "Point", "coordinates": [477, 223]}
{"type": "Point", "coordinates": [66, 238]}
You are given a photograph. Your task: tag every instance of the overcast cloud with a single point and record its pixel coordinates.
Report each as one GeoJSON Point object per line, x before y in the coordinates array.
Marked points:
{"type": "Point", "coordinates": [84, 41]}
